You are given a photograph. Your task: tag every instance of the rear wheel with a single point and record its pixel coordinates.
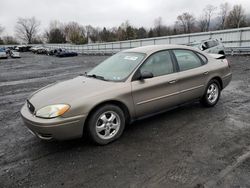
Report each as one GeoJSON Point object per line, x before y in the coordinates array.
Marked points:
{"type": "Point", "coordinates": [106, 124]}
{"type": "Point", "coordinates": [212, 94]}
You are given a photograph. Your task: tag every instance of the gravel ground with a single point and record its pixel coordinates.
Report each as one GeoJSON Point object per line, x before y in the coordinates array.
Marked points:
{"type": "Point", "coordinates": [190, 146]}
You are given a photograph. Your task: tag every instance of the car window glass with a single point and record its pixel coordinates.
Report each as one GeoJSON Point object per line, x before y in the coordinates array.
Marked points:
{"type": "Point", "coordinates": [204, 59]}
{"type": "Point", "coordinates": [211, 43]}
{"type": "Point", "coordinates": [159, 64]}
{"type": "Point", "coordinates": [187, 59]}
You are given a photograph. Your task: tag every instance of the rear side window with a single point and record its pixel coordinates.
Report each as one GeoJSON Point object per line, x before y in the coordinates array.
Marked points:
{"type": "Point", "coordinates": [187, 59]}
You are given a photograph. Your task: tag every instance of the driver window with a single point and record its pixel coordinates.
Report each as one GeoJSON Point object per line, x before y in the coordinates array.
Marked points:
{"type": "Point", "coordinates": [159, 64]}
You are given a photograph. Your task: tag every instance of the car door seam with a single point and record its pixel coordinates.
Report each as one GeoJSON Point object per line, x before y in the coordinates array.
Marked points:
{"type": "Point", "coordinates": [169, 95]}
{"type": "Point", "coordinates": [157, 98]}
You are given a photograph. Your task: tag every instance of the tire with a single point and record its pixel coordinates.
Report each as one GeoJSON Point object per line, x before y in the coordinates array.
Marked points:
{"type": "Point", "coordinates": [106, 124]}
{"type": "Point", "coordinates": [212, 94]}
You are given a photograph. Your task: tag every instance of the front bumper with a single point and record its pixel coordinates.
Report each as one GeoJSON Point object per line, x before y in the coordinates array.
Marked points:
{"type": "Point", "coordinates": [57, 128]}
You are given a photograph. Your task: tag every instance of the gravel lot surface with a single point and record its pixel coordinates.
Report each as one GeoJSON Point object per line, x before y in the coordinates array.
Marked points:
{"type": "Point", "coordinates": [190, 146]}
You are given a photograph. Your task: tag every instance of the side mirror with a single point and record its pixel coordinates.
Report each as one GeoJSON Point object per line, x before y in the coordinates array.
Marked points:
{"type": "Point", "coordinates": [146, 75]}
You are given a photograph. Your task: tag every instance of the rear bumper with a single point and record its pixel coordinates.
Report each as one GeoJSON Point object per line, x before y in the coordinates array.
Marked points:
{"type": "Point", "coordinates": [226, 80]}
{"type": "Point", "coordinates": [57, 128]}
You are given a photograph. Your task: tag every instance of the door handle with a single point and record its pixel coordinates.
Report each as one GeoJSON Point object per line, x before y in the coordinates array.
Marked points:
{"type": "Point", "coordinates": [172, 81]}
{"type": "Point", "coordinates": [205, 73]}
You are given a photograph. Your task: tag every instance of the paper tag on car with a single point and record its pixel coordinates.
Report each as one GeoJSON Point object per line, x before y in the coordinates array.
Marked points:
{"type": "Point", "coordinates": [131, 58]}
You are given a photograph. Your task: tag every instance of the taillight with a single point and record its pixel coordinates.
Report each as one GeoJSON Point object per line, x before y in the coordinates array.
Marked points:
{"type": "Point", "coordinates": [227, 62]}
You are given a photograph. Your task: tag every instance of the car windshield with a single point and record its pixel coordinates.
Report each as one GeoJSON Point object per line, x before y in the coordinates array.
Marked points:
{"type": "Point", "coordinates": [118, 67]}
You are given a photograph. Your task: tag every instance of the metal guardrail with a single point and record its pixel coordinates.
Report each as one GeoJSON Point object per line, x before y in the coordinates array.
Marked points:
{"type": "Point", "coordinates": [235, 40]}
{"type": "Point", "coordinates": [238, 51]}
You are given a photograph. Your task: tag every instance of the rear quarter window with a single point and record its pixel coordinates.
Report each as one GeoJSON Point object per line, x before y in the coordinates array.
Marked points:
{"type": "Point", "coordinates": [203, 58]}
{"type": "Point", "coordinates": [187, 59]}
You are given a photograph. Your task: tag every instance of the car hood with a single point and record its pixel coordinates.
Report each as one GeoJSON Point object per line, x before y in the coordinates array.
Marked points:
{"type": "Point", "coordinates": [66, 92]}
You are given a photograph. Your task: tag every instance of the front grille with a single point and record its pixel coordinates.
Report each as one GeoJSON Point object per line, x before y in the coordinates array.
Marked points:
{"type": "Point", "coordinates": [30, 107]}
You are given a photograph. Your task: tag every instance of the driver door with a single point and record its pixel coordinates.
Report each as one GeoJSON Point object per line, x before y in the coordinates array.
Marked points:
{"type": "Point", "coordinates": [156, 94]}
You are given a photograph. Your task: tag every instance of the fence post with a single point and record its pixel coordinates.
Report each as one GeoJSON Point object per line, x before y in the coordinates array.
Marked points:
{"type": "Point", "coordinates": [240, 43]}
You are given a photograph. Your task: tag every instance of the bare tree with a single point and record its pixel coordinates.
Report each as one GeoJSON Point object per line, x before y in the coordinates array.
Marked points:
{"type": "Point", "coordinates": [75, 33]}
{"type": "Point", "coordinates": [236, 17]}
{"type": "Point", "coordinates": [224, 10]}
{"type": "Point", "coordinates": [55, 33]}
{"type": "Point", "coordinates": [92, 33]}
{"type": "Point", "coordinates": [9, 40]}
{"type": "Point", "coordinates": [202, 23]}
{"type": "Point", "coordinates": [208, 13]}
{"type": "Point", "coordinates": [186, 21]}
{"type": "Point", "coordinates": [27, 28]}
{"type": "Point", "coordinates": [158, 26]}
{"type": "Point", "coordinates": [1, 29]}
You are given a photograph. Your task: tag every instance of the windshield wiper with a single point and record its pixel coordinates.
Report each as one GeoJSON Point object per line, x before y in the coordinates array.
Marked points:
{"type": "Point", "coordinates": [95, 76]}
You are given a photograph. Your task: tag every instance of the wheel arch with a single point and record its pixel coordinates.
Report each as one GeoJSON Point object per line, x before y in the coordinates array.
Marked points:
{"type": "Point", "coordinates": [120, 104]}
{"type": "Point", "coordinates": [219, 80]}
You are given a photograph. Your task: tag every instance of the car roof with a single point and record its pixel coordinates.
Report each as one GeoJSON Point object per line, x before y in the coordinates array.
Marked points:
{"type": "Point", "coordinates": [155, 48]}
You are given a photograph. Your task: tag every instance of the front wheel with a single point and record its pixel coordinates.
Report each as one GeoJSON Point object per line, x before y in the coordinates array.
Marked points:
{"type": "Point", "coordinates": [106, 124]}
{"type": "Point", "coordinates": [212, 94]}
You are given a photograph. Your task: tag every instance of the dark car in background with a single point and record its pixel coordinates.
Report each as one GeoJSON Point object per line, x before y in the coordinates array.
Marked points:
{"type": "Point", "coordinates": [23, 48]}
{"type": "Point", "coordinates": [66, 54]}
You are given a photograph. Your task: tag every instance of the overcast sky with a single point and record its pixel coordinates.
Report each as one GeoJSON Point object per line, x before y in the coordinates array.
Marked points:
{"type": "Point", "coordinates": [102, 12]}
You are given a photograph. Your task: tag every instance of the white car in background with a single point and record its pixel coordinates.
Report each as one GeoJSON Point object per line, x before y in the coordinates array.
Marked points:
{"type": "Point", "coordinates": [14, 54]}
{"type": "Point", "coordinates": [3, 54]}
{"type": "Point", "coordinates": [211, 46]}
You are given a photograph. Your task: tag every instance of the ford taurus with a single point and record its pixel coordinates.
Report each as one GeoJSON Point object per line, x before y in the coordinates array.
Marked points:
{"type": "Point", "coordinates": [127, 86]}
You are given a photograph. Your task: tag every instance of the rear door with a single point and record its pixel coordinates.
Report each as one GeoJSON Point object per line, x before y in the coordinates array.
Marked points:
{"type": "Point", "coordinates": [192, 75]}
{"type": "Point", "coordinates": [157, 93]}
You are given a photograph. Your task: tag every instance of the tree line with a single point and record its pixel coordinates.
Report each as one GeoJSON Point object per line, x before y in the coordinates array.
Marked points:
{"type": "Point", "coordinates": [212, 18]}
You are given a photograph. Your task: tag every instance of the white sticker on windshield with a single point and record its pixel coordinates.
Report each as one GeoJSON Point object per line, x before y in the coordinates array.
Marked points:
{"type": "Point", "coordinates": [131, 58]}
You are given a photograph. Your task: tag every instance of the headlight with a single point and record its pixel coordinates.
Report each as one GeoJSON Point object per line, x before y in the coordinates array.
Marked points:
{"type": "Point", "coordinates": [52, 111]}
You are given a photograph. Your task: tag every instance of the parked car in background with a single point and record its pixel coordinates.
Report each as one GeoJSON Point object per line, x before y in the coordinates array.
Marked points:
{"type": "Point", "coordinates": [3, 53]}
{"type": "Point", "coordinates": [51, 52]}
{"type": "Point", "coordinates": [55, 51]}
{"type": "Point", "coordinates": [34, 49]}
{"type": "Point", "coordinates": [14, 54]}
{"type": "Point", "coordinates": [8, 50]}
{"type": "Point", "coordinates": [212, 46]}
{"type": "Point", "coordinates": [130, 85]}
{"type": "Point", "coordinates": [65, 53]}
{"type": "Point", "coordinates": [23, 48]}
{"type": "Point", "coordinates": [42, 50]}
